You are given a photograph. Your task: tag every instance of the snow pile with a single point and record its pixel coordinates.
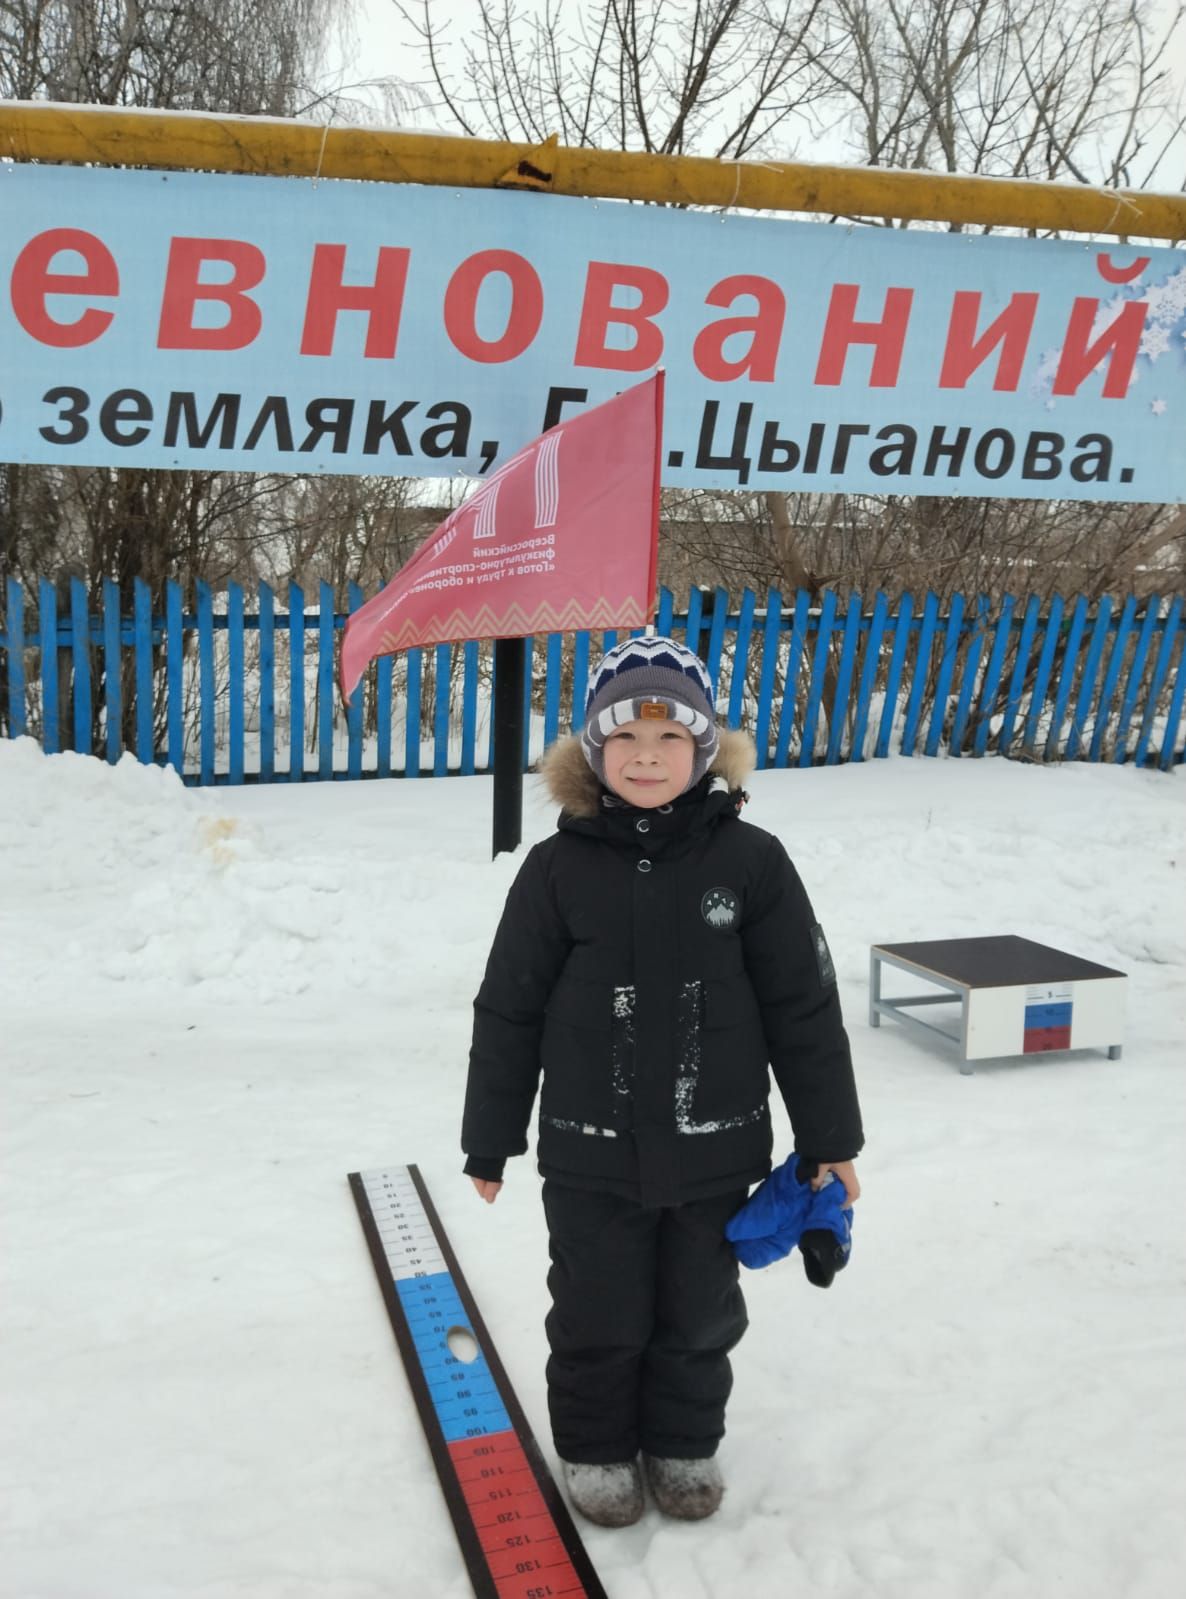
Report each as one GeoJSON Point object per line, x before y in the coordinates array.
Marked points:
{"type": "Point", "coordinates": [139, 879]}
{"type": "Point", "coordinates": [214, 1005]}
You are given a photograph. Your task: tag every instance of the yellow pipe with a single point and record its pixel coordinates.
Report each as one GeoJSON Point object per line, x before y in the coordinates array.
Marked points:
{"type": "Point", "coordinates": [117, 137]}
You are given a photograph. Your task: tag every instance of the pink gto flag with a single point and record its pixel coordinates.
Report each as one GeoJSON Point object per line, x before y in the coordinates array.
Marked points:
{"type": "Point", "coordinates": [564, 536]}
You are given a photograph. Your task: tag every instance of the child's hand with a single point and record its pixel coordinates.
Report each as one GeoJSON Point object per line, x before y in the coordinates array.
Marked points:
{"type": "Point", "coordinates": [486, 1189]}
{"type": "Point", "coordinates": [846, 1172]}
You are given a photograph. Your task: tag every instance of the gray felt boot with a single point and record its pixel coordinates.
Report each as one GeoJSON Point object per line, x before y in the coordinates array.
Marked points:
{"type": "Point", "coordinates": [610, 1496]}
{"type": "Point", "coordinates": [689, 1490]}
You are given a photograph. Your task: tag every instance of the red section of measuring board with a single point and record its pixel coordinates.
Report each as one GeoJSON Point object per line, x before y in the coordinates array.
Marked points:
{"type": "Point", "coordinates": [525, 1553]}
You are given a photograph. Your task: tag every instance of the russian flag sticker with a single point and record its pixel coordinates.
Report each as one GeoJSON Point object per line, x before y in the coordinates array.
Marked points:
{"type": "Point", "coordinates": [1048, 1018]}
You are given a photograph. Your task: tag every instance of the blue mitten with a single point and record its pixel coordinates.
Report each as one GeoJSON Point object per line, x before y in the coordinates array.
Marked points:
{"type": "Point", "coordinates": [784, 1211]}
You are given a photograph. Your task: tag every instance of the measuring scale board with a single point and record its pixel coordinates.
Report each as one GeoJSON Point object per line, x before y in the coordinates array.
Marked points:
{"type": "Point", "coordinates": [514, 1528]}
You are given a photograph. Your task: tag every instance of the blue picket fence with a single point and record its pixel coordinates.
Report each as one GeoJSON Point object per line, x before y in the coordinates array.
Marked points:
{"type": "Point", "coordinates": [224, 695]}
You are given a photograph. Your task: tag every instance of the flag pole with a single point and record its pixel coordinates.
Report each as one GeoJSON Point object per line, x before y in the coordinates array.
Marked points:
{"type": "Point", "coordinates": [510, 655]}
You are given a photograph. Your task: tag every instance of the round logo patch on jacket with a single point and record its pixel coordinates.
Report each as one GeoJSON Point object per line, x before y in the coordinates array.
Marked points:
{"type": "Point", "coordinates": [721, 909]}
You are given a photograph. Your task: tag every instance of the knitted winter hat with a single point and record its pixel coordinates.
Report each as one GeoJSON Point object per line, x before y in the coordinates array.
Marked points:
{"type": "Point", "coordinates": [650, 672]}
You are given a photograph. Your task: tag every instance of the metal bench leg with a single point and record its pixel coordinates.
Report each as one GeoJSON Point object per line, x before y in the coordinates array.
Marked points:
{"type": "Point", "coordinates": [1115, 1051]}
{"type": "Point", "coordinates": [874, 990]}
{"type": "Point", "coordinates": [966, 1067]}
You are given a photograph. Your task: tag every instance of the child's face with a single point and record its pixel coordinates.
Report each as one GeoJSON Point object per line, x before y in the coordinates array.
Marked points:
{"type": "Point", "coordinates": [649, 763]}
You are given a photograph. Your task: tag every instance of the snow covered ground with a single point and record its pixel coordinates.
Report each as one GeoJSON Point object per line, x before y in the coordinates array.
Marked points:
{"type": "Point", "coordinates": [215, 1005]}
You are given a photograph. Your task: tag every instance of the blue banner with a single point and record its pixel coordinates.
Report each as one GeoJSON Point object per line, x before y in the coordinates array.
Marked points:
{"type": "Point", "coordinates": [280, 324]}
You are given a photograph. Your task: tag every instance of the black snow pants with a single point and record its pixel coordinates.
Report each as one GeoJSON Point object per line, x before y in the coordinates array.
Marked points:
{"type": "Point", "coordinates": [645, 1309]}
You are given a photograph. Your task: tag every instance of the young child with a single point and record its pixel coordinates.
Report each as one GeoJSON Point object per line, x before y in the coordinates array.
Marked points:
{"type": "Point", "coordinates": [656, 957]}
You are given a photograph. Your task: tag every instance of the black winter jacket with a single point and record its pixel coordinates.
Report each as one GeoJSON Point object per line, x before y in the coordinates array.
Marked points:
{"type": "Point", "coordinates": [653, 966]}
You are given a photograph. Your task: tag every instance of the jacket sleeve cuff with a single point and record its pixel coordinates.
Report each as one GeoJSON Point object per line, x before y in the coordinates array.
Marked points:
{"type": "Point", "coordinates": [486, 1168]}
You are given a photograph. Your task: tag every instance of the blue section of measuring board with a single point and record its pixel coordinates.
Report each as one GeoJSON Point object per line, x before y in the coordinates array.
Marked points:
{"type": "Point", "coordinates": [464, 1394]}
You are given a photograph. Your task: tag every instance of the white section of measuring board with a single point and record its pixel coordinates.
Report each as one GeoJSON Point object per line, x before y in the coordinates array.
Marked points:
{"type": "Point", "coordinates": [408, 1240]}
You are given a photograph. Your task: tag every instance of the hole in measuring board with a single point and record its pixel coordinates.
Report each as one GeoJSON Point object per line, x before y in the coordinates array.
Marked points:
{"type": "Point", "coordinates": [463, 1345]}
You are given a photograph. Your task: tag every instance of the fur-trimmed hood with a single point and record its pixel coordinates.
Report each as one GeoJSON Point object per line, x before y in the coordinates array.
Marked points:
{"type": "Point", "coordinates": [573, 784]}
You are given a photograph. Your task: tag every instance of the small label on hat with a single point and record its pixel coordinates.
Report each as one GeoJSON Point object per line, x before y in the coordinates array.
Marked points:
{"type": "Point", "coordinates": [653, 711]}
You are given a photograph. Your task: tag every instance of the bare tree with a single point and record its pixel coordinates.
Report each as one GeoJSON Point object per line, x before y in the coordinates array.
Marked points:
{"type": "Point", "coordinates": [720, 77]}
{"type": "Point", "coordinates": [1068, 90]}
{"type": "Point", "coordinates": [243, 56]}
{"type": "Point", "coordinates": [258, 57]}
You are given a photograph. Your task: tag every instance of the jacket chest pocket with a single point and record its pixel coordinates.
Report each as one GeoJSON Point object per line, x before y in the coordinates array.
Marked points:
{"type": "Point", "coordinates": [587, 1053]}
{"type": "Point", "coordinates": [722, 1076]}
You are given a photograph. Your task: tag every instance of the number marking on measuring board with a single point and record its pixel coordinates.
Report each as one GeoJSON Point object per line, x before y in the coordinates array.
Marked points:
{"type": "Point", "coordinates": [515, 1531]}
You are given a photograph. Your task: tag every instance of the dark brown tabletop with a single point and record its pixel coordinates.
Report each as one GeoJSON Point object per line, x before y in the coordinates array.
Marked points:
{"type": "Point", "coordinates": [997, 962]}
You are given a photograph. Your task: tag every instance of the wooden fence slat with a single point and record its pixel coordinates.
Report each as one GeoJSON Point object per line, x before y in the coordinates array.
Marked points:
{"type": "Point", "coordinates": [1103, 710]}
{"type": "Point", "coordinates": [267, 684]}
{"type": "Point", "coordinates": [972, 657]}
{"type": "Point", "coordinates": [1099, 634]}
{"type": "Point", "coordinates": [868, 678]}
{"type": "Point", "coordinates": [80, 628]}
{"type": "Point", "coordinates": [47, 644]}
{"type": "Point", "coordinates": [175, 676]}
{"type": "Point", "coordinates": [414, 661]}
{"type": "Point", "coordinates": [1157, 679]}
{"type": "Point", "coordinates": [296, 683]}
{"type": "Point", "coordinates": [838, 717]}
{"type": "Point", "coordinates": [692, 621]}
{"type": "Point", "coordinates": [469, 707]}
{"type": "Point", "coordinates": [770, 637]}
{"type": "Point", "coordinates": [354, 711]}
{"type": "Point", "coordinates": [142, 614]}
{"type": "Point", "coordinates": [1021, 661]}
{"type": "Point", "coordinates": [665, 614]}
{"type": "Point", "coordinates": [206, 680]}
{"type": "Point", "coordinates": [1153, 608]}
{"type": "Point", "coordinates": [738, 677]}
{"type": "Point", "coordinates": [819, 667]}
{"type": "Point", "coordinates": [1168, 755]}
{"type": "Point", "coordinates": [553, 671]}
{"type": "Point", "coordinates": [580, 679]}
{"type": "Point", "coordinates": [1002, 633]}
{"type": "Point", "coordinates": [1135, 672]}
{"type": "Point", "coordinates": [922, 670]}
{"type": "Point", "coordinates": [143, 672]}
{"type": "Point", "coordinates": [1066, 677]}
{"type": "Point", "coordinates": [1042, 677]}
{"type": "Point", "coordinates": [889, 710]}
{"type": "Point", "coordinates": [716, 638]}
{"type": "Point", "coordinates": [384, 695]}
{"type": "Point", "coordinates": [15, 631]}
{"type": "Point", "coordinates": [113, 696]}
{"type": "Point", "coordinates": [441, 686]}
{"type": "Point", "coordinates": [235, 682]}
{"type": "Point", "coordinates": [951, 644]}
{"type": "Point", "coordinates": [790, 684]}
{"type": "Point", "coordinates": [325, 681]}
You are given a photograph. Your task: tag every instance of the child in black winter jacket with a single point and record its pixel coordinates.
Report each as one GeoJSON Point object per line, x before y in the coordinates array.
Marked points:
{"type": "Point", "coordinates": [656, 959]}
